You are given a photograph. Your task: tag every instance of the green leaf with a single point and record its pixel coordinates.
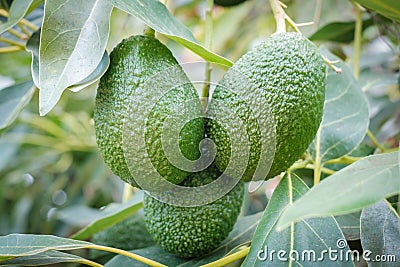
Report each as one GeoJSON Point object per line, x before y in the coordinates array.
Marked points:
{"type": "Point", "coordinates": [72, 43]}
{"type": "Point", "coordinates": [350, 225]}
{"type": "Point", "coordinates": [346, 116]}
{"type": "Point", "coordinates": [359, 185]}
{"type": "Point", "coordinates": [387, 8]}
{"type": "Point", "coordinates": [113, 214]}
{"type": "Point", "coordinates": [342, 32]}
{"type": "Point", "coordinates": [44, 258]}
{"type": "Point", "coordinates": [18, 245]}
{"type": "Point", "coordinates": [380, 234]}
{"type": "Point", "coordinates": [33, 46]}
{"type": "Point", "coordinates": [12, 100]}
{"type": "Point", "coordinates": [242, 233]}
{"type": "Point", "coordinates": [157, 16]}
{"type": "Point", "coordinates": [18, 10]}
{"type": "Point", "coordinates": [309, 238]}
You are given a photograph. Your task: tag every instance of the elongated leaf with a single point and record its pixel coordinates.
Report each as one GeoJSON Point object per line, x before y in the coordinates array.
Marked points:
{"type": "Point", "coordinates": [18, 10]}
{"type": "Point", "coordinates": [346, 116]}
{"type": "Point", "coordinates": [156, 16]}
{"type": "Point", "coordinates": [380, 234]}
{"type": "Point", "coordinates": [110, 216]}
{"type": "Point", "coordinates": [387, 8]}
{"type": "Point", "coordinates": [12, 100]}
{"type": "Point", "coordinates": [339, 31]}
{"type": "Point", "coordinates": [18, 245]}
{"type": "Point", "coordinates": [73, 40]}
{"type": "Point", "coordinates": [359, 185]}
{"type": "Point", "coordinates": [303, 243]}
{"type": "Point", "coordinates": [44, 258]}
{"type": "Point", "coordinates": [350, 225]}
{"type": "Point", "coordinates": [33, 46]}
{"type": "Point", "coordinates": [242, 233]}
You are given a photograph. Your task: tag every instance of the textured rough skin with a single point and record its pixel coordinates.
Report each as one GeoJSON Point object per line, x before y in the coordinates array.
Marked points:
{"type": "Point", "coordinates": [193, 231]}
{"type": "Point", "coordinates": [132, 62]}
{"type": "Point", "coordinates": [288, 70]}
{"type": "Point", "coordinates": [227, 3]}
{"type": "Point", "coordinates": [128, 234]}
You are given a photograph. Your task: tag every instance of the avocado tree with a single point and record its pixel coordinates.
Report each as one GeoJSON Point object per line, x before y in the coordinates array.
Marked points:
{"type": "Point", "coordinates": [199, 133]}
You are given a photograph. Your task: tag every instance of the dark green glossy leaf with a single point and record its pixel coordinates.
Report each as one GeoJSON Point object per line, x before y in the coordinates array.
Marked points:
{"type": "Point", "coordinates": [346, 115]}
{"type": "Point", "coordinates": [17, 11]}
{"type": "Point", "coordinates": [157, 16]}
{"type": "Point", "coordinates": [111, 215]}
{"type": "Point", "coordinates": [71, 46]}
{"type": "Point", "coordinates": [310, 238]}
{"type": "Point", "coordinates": [387, 8]}
{"type": "Point", "coordinates": [342, 32]}
{"type": "Point", "coordinates": [12, 100]}
{"type": "Point", "coordinates": [380, 234]}
{"type": "Point", "coordinates": [359, 185]}
{"type": "Point", "coordinates": [242, 233]}
{"type": "Point", "coordinates": [44, 258]}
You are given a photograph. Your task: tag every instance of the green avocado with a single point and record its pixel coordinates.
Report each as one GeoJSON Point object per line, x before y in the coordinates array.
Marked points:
{"type": "Point", "coordinates": [193, 231]}
{"type": "Point", "coordinates": [288, 72]}
{"type": "Point", "coordinates": [133, 62]}
{"type": "Point", "coordinates": [128, 234]}
{"type": "Point", "coordinates": [228, 3]}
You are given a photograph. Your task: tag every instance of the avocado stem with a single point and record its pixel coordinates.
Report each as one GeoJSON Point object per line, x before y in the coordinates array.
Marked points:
{"type": "Point", "coordinates": [208, 44]}
{"type": "Point", "coordinates": [279, 15]}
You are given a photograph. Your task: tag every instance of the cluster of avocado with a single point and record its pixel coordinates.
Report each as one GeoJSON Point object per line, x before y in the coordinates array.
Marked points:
{"type": "Point", "coordinates": [287, 70]}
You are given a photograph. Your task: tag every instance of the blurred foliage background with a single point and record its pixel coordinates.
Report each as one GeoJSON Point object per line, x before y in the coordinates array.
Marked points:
{"type": "Point", "coordinates": [51, 163]}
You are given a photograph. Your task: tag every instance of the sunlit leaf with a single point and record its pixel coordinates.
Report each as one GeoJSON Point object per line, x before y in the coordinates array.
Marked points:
{"type": "Point", "coordinates": [380, 234]}
{"type": "Point", "coordinates": [157, 16]}
{"type": "Point", "coordinates": [346, 116]}
{"type": "Point", "coordinates": [72, 43]}
{"type": "Point", "coordinates": [309, 238]}
{"type": "Point", "coordinates": [359, 185]}
{"type": "Point", "coordinates": [44, 258]}
{"type": "Point", "coordinates": [12, 100]}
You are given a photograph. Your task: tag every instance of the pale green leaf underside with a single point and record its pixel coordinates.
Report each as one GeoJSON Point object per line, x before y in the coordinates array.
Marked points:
{"type": "Point", "coordinates": [380, 232]}
{"type": "Point", "coordinates": [44, 258]}
{"type": "Point", "coordinates": [359, 185]}
{"type": "Point", "coordinates": [73, 40]}
{"type": "Point", "coordinates": [17, 12]}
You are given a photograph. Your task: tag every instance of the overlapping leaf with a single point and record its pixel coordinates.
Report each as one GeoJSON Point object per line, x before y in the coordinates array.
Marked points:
{"type": "Point", "coordinates": [359, 185]}
{"type": "Point", "coordinates": [17, 11]}
{"type": "Point", "coordinates": [73, 39]}
{"type": "Point", "coordinates": [304, 243]}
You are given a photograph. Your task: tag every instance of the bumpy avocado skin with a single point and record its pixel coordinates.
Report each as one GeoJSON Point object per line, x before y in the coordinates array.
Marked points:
{"type": "Point", "coordinates": [289, 72]}
{"type": "Point", "coordinates": [128, 234]}
{"type": "Point", "coordinates": [132, 63]}
{"type": "Point", "coordinates": [193, 231]}
{"type": "Point", "coordinates": [228, 3]}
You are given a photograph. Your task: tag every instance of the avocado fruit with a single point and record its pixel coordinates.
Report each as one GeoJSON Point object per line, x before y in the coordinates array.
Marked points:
{"type": "Point", "coordinates": [133, 62]}
{"type": "Point", "coordinates": [193, 231]}
{"type": "Point", "coordinates": [228, 3]}
{"type": "Point", "coordinates": [289, 73]}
